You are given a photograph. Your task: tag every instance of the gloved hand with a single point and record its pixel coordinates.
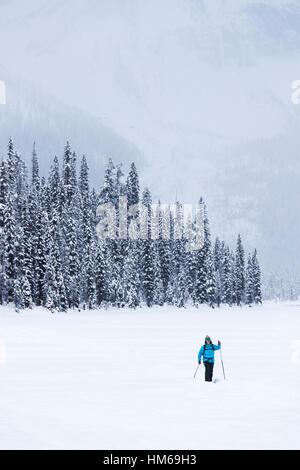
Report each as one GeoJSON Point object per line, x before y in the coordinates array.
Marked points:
{"type": "Point", "coordinates": [219, 343]}
{"type": "Point", "coordinates": [199, 362]}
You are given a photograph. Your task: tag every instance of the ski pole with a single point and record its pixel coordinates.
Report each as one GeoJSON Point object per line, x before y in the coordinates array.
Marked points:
{"type": "Point", "coordinates": [196, 371]}
{"type": "Point", "coordinates": [222, 364]}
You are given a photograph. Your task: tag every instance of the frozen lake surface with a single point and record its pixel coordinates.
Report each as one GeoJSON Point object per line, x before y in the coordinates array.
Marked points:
{"type": "Point", "coordinates": [121, 379]}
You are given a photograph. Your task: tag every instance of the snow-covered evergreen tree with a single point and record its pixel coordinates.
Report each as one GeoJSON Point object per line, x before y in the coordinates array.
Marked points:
{"type": "Point", "coordinates": [158, 287]}
{"type": "Point", "coordinates": [226, 277]}
{"type": "Point", "coordinates": [239, 272]}
{"type": "Point", "coordinates": [204, 281]}
{"type": "Point", "coordinates": [146, 253]}
{"type": "Point", "coordinates": [35, 176]}
{"type": "Point", "coordinates": [131, 276]}
{"type": "Point", "coordinates": [249, 291]}
{"type": "Point", "coordinates": [51, 255]}
{"type": "Point", "coordinates": [256, 275]}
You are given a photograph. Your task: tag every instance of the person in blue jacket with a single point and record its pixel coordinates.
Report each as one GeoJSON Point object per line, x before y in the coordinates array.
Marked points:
{"type": "Point", "coordinates": [208, 353]}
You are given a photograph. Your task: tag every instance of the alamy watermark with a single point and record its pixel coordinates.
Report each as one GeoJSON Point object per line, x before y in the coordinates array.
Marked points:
{"type": "Point", "coordinates": [2, 92]}
{"type": "Point", "coordinates": [141, 222]}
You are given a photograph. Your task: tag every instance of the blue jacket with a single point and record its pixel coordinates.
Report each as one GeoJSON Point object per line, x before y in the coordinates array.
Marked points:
{"type": "Point", "coordinates": [209, 354]}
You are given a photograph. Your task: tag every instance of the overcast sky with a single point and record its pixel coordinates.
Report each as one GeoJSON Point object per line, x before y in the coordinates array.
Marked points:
{"type": "Point", "coordinates": [198, 91]}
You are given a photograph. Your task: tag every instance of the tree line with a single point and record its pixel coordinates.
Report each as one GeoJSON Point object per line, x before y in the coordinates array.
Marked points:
{"type": "Point", "coordinates": [51, 255]}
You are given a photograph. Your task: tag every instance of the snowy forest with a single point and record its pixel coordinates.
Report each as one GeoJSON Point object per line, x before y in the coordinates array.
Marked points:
{"type": "Point", "coordinates": [51, 255]}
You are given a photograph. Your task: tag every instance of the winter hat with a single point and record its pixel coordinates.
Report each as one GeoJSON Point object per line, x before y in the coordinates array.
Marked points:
{"type": "Point", "coordinates": [207, 338]}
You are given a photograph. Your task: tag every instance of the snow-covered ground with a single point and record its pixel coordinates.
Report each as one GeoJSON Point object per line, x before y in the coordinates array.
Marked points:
{"type": "Point", "coordinates": [123, 379]}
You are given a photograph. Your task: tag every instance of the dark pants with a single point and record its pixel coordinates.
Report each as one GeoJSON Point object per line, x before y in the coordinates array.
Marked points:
{"type": "Point", "coordinates": [209, 366]}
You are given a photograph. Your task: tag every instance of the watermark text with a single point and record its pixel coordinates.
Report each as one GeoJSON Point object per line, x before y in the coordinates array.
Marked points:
{"type": "Point", "coordinates": [157, 221]}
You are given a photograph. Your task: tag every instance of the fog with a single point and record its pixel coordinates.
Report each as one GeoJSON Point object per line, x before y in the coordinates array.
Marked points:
{"type": "Point", "coordinates": [198, 93]}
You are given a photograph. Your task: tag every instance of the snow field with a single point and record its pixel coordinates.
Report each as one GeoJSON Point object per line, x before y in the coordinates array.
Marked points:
{"type": "Point", "coordinates": [122, 379]}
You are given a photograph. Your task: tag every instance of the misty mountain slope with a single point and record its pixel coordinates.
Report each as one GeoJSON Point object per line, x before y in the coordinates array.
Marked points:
{"type": "Point", "coordinates": [148, 66]}
{"type": "Point", "coordinates": [258, 195]}
{"type": "Point", "coordinates": [30, 115]}
{"type": "Point", "coordinates": [202, 88]}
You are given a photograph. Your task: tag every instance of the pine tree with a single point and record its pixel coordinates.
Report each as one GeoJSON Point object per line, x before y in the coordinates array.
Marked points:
{"type": "Point", "coordinates": [164, 247]}
{"type": "Point", "coordinates": [71, 256]}
{"type": "Point", "coordinates": [226, 278]}
{"type": "Point", "coordinates": [54, 287]}
{"type": "Point", "coordinates": [9, 255]}
{"type": "Point", "coordinates": [40, 250]}
{"type": "Point", "coordinates": [55, 186]}
{"type": "Point", "coordinates": [180, 289]}
{"type": "Point", "coordinates": [257, 295]}
{"type": "Point", "coordinates": [17, 295]}
{"type": "Point", "coordinates": [50, 254]}
{"type": "Point", "coordinates": [158, 288]}
{"type": "Point", "coordinates": [210, 280]}
{"type": "Point", "coordinates": [191, 257]}
{"type": "Point", "coordinates": [35, 178]}
{"type": "Point", "coordinates": [218, 288]}
{"type": "Point", "coordinates": [249, 291]}
{"type": "Point", "coordinates": [91, 275]}
{"type": "Point", "coordinates": [131, 276]}
{"type": "Point", "coordinates": [69, 174]}
{"type": "Point", "coordinates": [26, 291]}
{"type": "Point", "coordinates": [204, 283]}
{"type": "Point", "coordinates": [147, 258]}
{"type": "Point", "coordinates": [239, 274]}
{"type": "Point", "coordinates": [217, 255]}
{"type": "Point", "coordinates": [11, 163]}
{"type": "Point", "coordinates": [132, 186]}
{"type": "Point", "coordinates": [84, 180]}
{"type": "Point", "coordinates": [169, 298]}
{"type": "Point", "coordinates": [4, 188]}
{"type": "Point", "coordinates": [232, 278]}
{"type": "Point", "coordinates": [108, 190]}
{"type": "Point", "coordinates": [101, 273]}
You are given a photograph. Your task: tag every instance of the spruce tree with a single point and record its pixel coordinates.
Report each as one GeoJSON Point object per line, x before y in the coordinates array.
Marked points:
{"type": "Point", "coordinates": [35, 177]}
{"type": "Point", "coordinates": [50, 254]}
{"type": "Point", "coordinates": [9, 255]}
{"type": "Point", "coordinates": [226, 279]}
{"type": "Point", "coordinates": [204, 283]}
{"type": "Point", "coordinates": [132, 186]}
{"type": "Point", "coordinates": [256, 273]}
{"type": "Point", "coordinates": [131, 276]}
{"type": "Point", "coordinates": [249, 291]}
{"type": "Point", "coordinates": [239, 271]}
{"type": "Point", "coordinates": [147, 256]}
{"type": "Point", "coordinates": [158, 288]}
